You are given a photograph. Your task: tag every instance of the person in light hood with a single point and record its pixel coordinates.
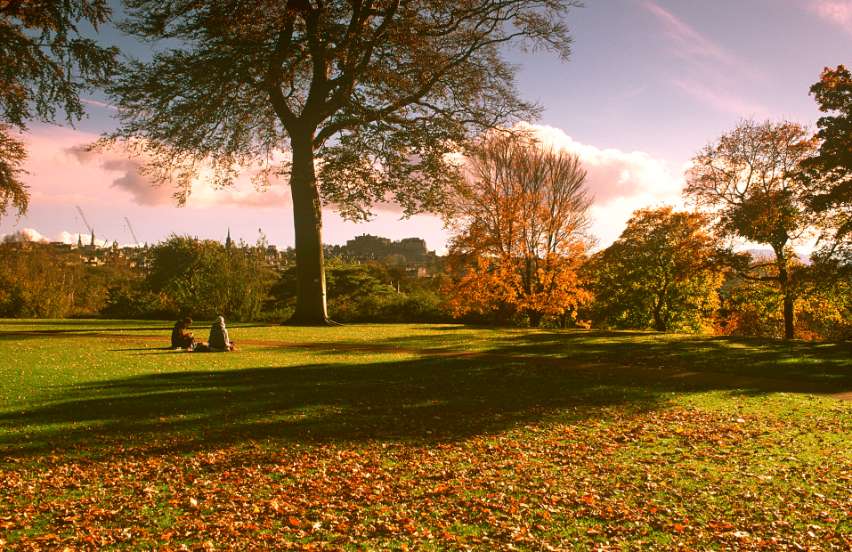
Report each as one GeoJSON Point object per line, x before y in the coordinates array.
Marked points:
{"type": "Point", "coordinates": [219, 341]}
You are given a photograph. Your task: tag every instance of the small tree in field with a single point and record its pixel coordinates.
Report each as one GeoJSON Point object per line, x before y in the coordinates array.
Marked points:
{"type": "Point", "coordinates": [206, 279]}
{"type": "Point", "coordinates": [366, 98]}
{"type": "Point", "coordinates": [521, 231]}
{"type": "Point", "coordinates": [662, 272]}
{"type": "Point", "coordinates": [749, 178]}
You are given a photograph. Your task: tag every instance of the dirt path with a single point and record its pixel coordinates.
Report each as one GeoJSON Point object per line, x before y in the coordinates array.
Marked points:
{"type": "Point", "coordinates": [720, 380]}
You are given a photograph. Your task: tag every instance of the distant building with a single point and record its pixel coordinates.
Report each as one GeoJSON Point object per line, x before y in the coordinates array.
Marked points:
{"type": "Point", "coordinates": [374, 245]}
{"type": "Point", "coordinates": [410, 254]}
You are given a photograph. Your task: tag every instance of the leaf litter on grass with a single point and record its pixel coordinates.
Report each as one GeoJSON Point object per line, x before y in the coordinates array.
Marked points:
{"type": "Point", "coordinates": [677, 477]}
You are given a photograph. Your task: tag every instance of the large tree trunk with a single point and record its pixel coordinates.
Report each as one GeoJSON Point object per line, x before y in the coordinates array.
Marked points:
{"type": "Point", "coordinates": [535, 318]}
{"type": "Point", "coordinates": [307, 217]}
{"type": "Point", "coordinates": [659, 322]}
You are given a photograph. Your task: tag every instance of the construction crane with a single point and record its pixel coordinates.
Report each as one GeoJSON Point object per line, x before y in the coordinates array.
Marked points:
{"type": "Point", "coordinates": [132, 233]}
{"type": "Point", "coordinates": [88, 224]}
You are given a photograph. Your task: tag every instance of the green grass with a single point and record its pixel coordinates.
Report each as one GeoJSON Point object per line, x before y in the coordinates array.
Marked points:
{"type": "Point", "coordinates": [120, 444]}
{"type": "Point", "coordinates": [816, 362]}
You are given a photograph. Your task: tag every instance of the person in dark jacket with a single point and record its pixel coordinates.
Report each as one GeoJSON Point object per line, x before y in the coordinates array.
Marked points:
{"type": "Point", "coordinates": [180, 337]}
{"type": "Point", "coordinates": [219, 337]}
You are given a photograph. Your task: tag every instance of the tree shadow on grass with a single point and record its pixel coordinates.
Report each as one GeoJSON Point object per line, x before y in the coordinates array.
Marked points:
{"type": "Point", "coordinates": [422, 400]}
{"type": "Point", "coordinates": [818, 362]}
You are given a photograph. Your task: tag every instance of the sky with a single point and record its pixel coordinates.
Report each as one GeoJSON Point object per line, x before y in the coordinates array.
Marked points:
{"type": "Point", "coordinates": [649, 83]}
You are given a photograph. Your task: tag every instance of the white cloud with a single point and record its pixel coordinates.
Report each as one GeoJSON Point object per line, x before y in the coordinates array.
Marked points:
{"type": "Point", "coordinates": [28, 234]}
{"type": "Point", "coordinates": [32, 235]}
{"type": "Point", "coordinates": [613, 175]}
{"type": "Point", "coordinates": [620, 181]}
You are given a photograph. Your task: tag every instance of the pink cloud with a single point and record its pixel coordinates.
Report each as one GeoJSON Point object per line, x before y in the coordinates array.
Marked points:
{"type": "Point", "coordinates": [614, 175]}
{"type": "Point", "coordinates": [688, 42]}
{"type": "Point", "coordinates": [125, 175]}
{"type": "Point", "coordinates": [620, 181]}
{"type": "Point", "coordinates": [835, 11]}
{"type": "Point", "coordinates": [706, 71]}
{"type": "Point", "coordinates": [721, 100]}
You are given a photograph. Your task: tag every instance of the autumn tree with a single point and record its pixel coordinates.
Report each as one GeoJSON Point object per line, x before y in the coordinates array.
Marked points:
{"type": "Point", "coordinates": [521, 230]}
{"type": "Point", "coordinates": [34, 282]}
{"type": "Point", "coordinates": [355, 102]}
{"type": "Point", "coordinates": [45, 64]}
{"type": "Point", "coordinates": [662, 272]}
{"type": "Point", "coordinates": [749, 179]}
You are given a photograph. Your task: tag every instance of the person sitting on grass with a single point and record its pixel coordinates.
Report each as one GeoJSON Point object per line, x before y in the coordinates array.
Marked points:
{"type": "Point", "coordinates": [219, 341]}
{"type": "Point", "coordinates": [181, 339]}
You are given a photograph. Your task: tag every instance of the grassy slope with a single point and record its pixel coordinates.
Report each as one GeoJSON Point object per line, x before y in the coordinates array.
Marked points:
{"type": "Point", "coordinates": [121, 444]}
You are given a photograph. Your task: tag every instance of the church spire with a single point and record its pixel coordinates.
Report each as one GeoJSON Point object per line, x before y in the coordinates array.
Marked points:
{"type": "Point", "coordinates": [228, 242]}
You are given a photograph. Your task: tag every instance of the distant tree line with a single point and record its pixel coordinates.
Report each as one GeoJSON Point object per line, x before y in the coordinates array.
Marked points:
{"type": "Point", "coordinates": [202, 279]}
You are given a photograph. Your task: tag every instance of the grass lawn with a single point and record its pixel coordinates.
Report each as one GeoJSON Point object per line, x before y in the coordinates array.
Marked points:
{"type": "Point", "coordinates": [117, 443]}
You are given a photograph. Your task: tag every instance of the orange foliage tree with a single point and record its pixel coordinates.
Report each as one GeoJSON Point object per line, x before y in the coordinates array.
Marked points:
{"type": "Point", "coordinates": [521, 231]}
{"type": "Point", "coordinates": [749, 178]}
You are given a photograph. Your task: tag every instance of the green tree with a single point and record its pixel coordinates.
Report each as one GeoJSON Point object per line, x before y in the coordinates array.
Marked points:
{"type": "Point", "coordinates": [366, 98]}
{"type": "Point", "coordinates": [45, 64]}
{"type": "Point", "coordinates": [662, 272]}
{"type": "Point", "coordinates": [822, 306]}
{"type": "Point", "coordinates": [749, 178]}
{"type": "Point", "coordinates": [203, 278]}
{"type": "Point", "coordinates": [97, 283]}
{"type": "Point", "coordinates": [829, 173]}
{"type": "Point", "coordinates": [13, 192]}
{"type": "Point", "coordinates": [367, 293]}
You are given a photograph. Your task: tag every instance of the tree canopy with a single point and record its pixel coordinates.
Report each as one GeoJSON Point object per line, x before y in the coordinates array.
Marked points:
{"type": "Point", "coordinates": [13, 192]}
{"type": "Point", "coordinates": [356, 102]}
{"type": "Point", "coordinates": [830, 171]}
{"type": "Point", "coordinates": [45, 64]}
{"type": "Point", "coordinates": [522, 230]}
{"type": "Point", "coordinates": [204, 278]}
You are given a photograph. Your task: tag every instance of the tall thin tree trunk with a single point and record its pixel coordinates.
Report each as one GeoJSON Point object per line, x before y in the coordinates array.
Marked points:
{"type": "Point", "coordinates": [784, 280]}
{"type": "Point", "coordinates": [535, 318]}
{"type": "Point", "coordinates": [307, 217]}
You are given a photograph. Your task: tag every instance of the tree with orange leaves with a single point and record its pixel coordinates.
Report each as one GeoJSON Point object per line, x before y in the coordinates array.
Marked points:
{"type": "Point", "coordinates": [750, 179]}
{"type": "Point", "coordinates": [521, 231]}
